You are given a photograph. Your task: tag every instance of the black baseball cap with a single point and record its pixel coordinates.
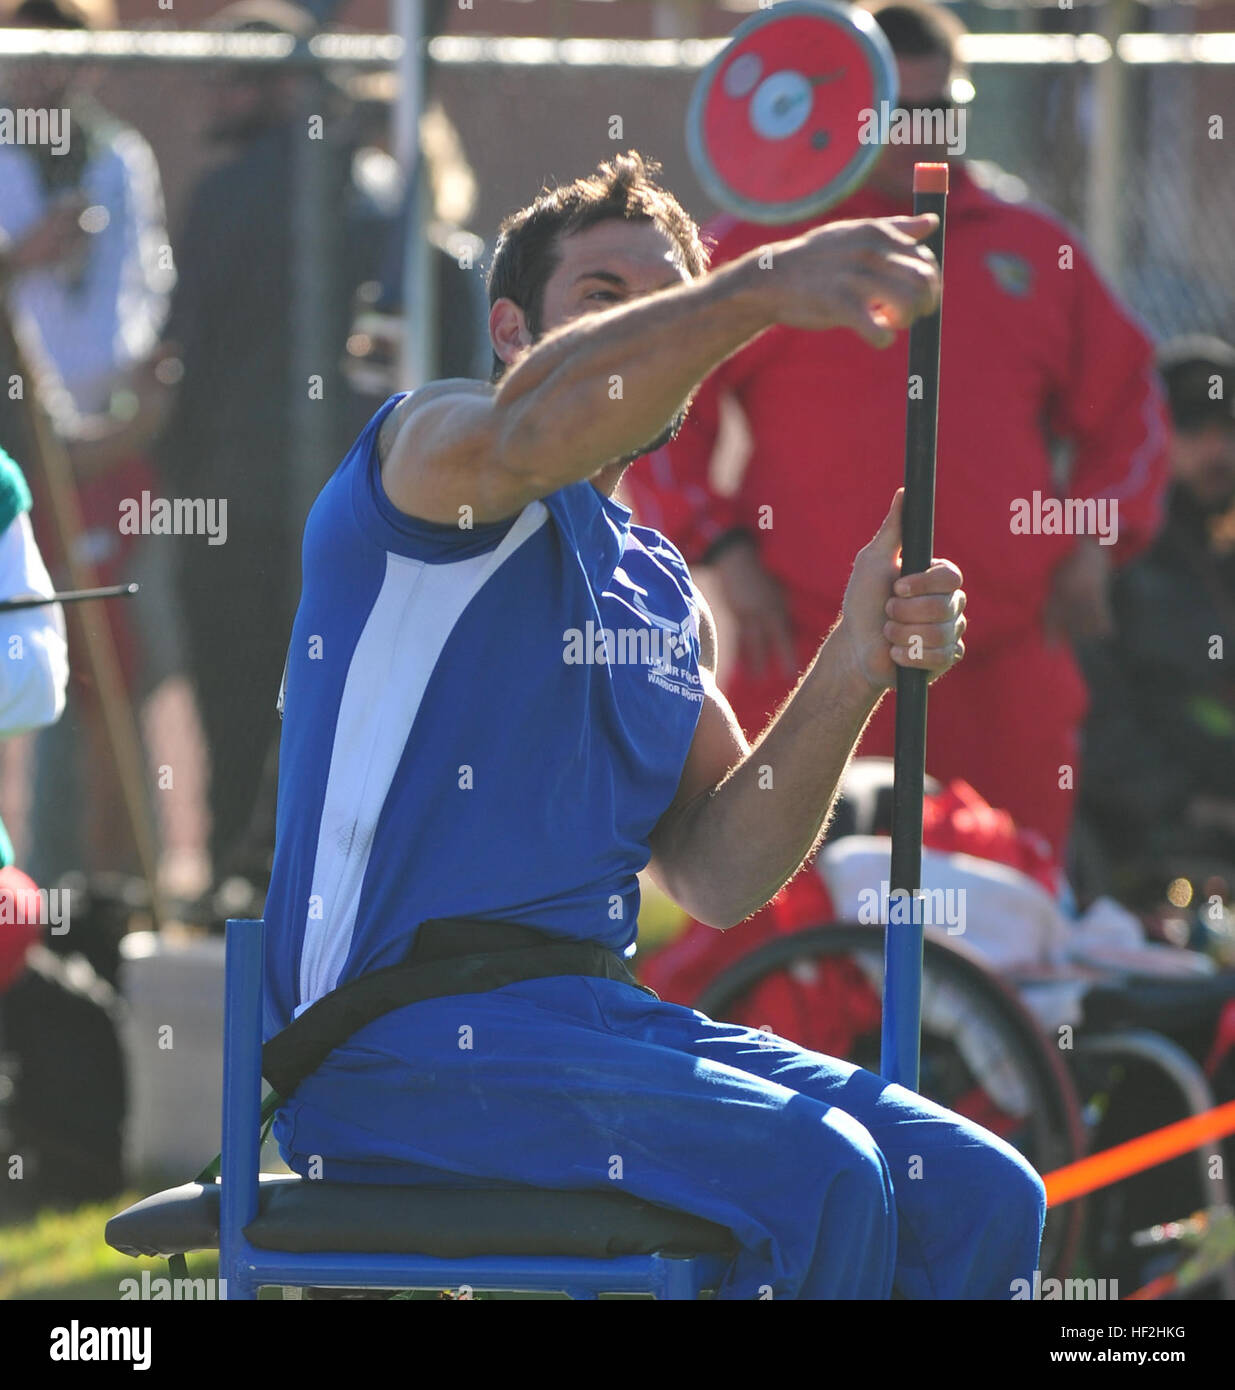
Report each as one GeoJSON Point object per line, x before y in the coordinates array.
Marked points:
{"type": "Point", "coordinates": [1188, 366]}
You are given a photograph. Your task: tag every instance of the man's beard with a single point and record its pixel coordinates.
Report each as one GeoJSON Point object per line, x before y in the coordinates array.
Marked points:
{"type": "Point", "coordinates": [666, 436]}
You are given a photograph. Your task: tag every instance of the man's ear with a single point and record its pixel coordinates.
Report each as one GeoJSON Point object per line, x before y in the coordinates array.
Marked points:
{"type": "Point", "coordinates": [508, 330]}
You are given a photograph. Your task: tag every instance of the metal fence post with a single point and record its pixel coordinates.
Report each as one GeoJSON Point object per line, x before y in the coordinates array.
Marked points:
{"type": "Point", "coordinates": [315, 370]}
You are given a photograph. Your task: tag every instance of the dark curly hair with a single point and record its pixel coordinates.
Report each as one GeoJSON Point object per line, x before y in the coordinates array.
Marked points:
{"type": "Point", "coordinates": [526, 254]}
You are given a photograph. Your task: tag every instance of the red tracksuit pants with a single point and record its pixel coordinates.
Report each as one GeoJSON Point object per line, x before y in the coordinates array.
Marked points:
{"type": "Point", "coordinates": [1006, 721]}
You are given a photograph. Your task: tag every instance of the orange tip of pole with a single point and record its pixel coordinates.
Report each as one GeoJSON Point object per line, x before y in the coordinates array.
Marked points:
{"type": "Point", "coordinates": [930, 178]}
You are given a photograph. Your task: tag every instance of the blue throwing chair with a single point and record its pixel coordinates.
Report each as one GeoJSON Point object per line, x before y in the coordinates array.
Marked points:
{"type": "Point", "coordinates": [294, 1232]}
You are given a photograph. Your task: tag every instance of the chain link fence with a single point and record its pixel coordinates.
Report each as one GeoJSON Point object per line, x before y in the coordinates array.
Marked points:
{"type": "Point", "coordinates": [1123, 135]}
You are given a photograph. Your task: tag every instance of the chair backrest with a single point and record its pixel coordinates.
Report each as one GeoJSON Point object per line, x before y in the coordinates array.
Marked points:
{"type": "Point", "coordinates": [242, 1072]}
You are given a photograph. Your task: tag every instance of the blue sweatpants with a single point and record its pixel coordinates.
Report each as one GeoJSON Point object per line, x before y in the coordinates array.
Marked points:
{"type": "Point", "coordinates": [835, 1183]}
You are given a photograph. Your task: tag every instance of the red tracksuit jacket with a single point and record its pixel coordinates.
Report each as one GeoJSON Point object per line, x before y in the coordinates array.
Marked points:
{"type": "Point", "coordinates": [1033, 347]}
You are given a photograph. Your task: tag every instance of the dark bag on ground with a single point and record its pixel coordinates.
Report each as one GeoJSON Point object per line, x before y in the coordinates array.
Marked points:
{"type": "Point", "coordinates": [61, 1055]}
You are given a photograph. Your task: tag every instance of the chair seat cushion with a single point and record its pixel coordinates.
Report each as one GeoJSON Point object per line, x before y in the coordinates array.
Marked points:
{"type": "Point", "coordinates": [449, 1223]}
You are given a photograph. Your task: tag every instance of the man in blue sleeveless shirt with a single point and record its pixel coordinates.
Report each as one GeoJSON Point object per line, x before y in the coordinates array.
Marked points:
{"type": "Point", "coordinates": [499, 705]}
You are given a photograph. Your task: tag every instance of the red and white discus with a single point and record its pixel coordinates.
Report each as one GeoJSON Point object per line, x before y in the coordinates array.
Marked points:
{"type": "Point", "coordinates": [777, 119]}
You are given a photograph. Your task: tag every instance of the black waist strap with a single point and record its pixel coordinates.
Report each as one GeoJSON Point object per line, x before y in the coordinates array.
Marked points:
{"type": "Point", "coordinates": [448, 956]}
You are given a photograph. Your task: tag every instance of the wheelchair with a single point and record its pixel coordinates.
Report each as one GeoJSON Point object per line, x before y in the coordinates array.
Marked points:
{"type": "Point", "coordinates": [982, 1054]}
{"type": "Point", "coordinates": [1060, 1066]}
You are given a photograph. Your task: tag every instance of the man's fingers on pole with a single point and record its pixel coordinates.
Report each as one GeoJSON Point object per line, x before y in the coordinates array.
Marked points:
{"type": "Point", "coordinates": [888, 537]}
{"type": "Point", "coordinates": [936, 659]}
{"type": "Point", "coordinates": [926, 608]}
{"type": "Point", "coordinates": [942, 577]}
{"type": "Point", "coordinates": [933, 636]}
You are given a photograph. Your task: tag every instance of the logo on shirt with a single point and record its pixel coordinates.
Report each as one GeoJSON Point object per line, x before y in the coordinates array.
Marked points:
{"type": "Point", "coordinates": [1013, 274]}
{"type": "Point", "coordinates": [681, 680]}
{"type": "Point", "coordinates": [663, 647]}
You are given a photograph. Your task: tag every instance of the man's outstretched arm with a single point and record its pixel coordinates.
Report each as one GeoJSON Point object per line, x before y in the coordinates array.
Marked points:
{"type": "Point", "coordinates": [745, 819]}
{"type": "Point", "coordinates": [554, 419]}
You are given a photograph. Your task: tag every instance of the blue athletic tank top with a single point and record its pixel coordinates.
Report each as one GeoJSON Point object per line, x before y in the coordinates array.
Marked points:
{"type": "Point", "coordinates": [483, 722]}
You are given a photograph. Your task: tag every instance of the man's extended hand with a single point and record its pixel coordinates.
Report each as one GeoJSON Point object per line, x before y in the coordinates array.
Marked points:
{"type": "Point", "coordinates": [917, 620]}
{"type": "Point", "coordinates": [872, 276]}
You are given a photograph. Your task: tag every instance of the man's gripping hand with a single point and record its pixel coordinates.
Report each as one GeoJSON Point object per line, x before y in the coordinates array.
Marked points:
{"type": "Point", "coordinates": [890, 620]}
{"type": "Point", "coordinates": [873, 276]}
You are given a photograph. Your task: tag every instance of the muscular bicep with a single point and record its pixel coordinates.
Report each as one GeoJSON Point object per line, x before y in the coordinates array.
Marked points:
{"type": "Point", "coordinates": [446, 454]}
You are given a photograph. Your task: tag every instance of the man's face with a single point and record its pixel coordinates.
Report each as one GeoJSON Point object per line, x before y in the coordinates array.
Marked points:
{"type": "Point", "coordinates": [608, 264]}
{"type": "Point", "coordinates": [1203, 460]}
{"type": "Point", "coordinates": [920, 82]}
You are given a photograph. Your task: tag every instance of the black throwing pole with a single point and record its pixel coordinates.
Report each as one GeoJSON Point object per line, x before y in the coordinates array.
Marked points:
{"type": "Point", "coordinates": [902, 984]}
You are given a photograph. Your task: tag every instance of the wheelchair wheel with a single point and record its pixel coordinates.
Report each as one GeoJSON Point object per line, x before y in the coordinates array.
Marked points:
{"type": "Point", "coordinates": [983, 1055]}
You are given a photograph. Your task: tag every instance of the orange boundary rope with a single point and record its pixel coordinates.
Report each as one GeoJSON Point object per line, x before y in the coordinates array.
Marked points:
{"type": "Point", "coordinates": [1134, 1156]}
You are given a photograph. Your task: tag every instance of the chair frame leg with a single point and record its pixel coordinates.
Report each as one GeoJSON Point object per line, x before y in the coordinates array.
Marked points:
{"type": "Point", "coordinates": [242, 1084]}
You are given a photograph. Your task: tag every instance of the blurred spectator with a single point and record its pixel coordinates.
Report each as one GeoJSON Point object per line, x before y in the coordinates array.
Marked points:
{"type": "Point", "coordinates": [63, 1089]}
{"type": "Point", "coordinates": [460, 342]}
{"type": "Point", "coordinates": [85, 251]}
{"type": "Point", "coordinates": [1037, 355]}
{"type": "Point", "coordinates": [34, 669]}
{"type": "Point", "coordinates": [230, 437]}
{"type": "Point", "coordinates": [61, 1068]}
{"type": "Point", "coordinates": [1159, 765]}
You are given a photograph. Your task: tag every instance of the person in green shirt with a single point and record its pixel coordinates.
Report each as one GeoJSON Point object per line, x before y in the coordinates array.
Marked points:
{"type": "Point", "coordinates": [34, 663]}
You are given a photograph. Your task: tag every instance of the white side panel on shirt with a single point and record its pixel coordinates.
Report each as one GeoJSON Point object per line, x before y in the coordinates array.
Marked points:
{"type": "Point", "coordinates": [408, 626]}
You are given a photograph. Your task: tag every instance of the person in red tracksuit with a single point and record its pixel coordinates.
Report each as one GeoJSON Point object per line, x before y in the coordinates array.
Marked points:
{"type": "Point", "coordinates": [1036, 352]}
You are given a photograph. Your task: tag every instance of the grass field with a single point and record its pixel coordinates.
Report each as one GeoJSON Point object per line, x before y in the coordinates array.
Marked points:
{"type": "Point", "coordinates": [62, 1254]}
